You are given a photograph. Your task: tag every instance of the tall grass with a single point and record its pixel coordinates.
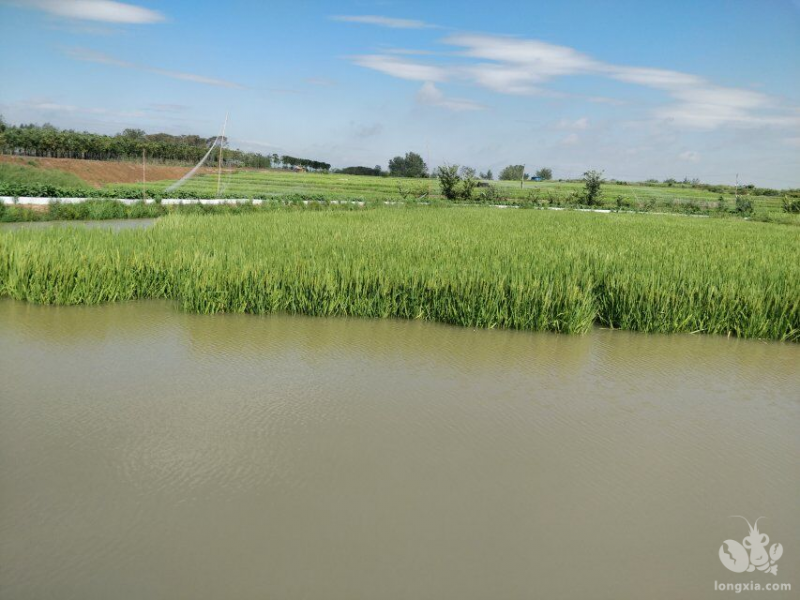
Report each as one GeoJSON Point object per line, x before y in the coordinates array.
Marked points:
{"type": "Point", "coordinates": [537, 270]}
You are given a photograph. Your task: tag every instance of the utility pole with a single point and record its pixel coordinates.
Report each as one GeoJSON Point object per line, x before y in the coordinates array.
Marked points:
{"type": "Point", "coordinates": [737, 188]}
{"type": "Point", "coordinates": [221, 142]}
{"type": "Point", "coordinates": [144, 174]}
{"type": "Point", "coordinates": [522, 177]}
{"type": "Point", "coordinates": [428, 158]}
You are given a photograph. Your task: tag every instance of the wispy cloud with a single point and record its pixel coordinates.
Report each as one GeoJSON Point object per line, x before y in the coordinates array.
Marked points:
{"type": "Point", "coordinates": [408, 52]}
{"type": "Point", "coordinates": [384, 21]}
{"type": "Point", "coordinates": [167, 108]}
{"type": "Point", "coordinates": [431, 95]}
{"type": "Point", "coordinates": [519, 66]}
{"type": "Point", "coordinates": [86, 55]}
{"type": "Point", "coordinates": [45, 106]}
{"type": "Point", "coordinates": [577, 124]}
{"type": "Point", "coordinates": [689, 156]}
{"type": "Point", "coordinates": [398, 67]}
{"type": "Point", "coordinates": [106, 11]}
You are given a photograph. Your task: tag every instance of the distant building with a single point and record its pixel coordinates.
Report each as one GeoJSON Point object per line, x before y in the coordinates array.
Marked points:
{"type": "Point", "coordinates": [535, 178]}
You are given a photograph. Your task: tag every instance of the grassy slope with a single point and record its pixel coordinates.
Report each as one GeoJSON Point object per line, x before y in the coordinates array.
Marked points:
{"type": "Point", "coordinates": [537, 270]}
{"type": "Point", "coordinates": [33, 176]}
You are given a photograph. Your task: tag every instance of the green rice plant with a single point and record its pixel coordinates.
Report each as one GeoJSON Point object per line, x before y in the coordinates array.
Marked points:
{"type": "Point", "coordinates": [471, 266]}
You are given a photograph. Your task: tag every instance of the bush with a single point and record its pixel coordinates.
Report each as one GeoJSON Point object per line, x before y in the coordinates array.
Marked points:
{"type": "Point", "coordinates": [791, 206]}
{"type": "Point", "coordinates": [490, 195]}
{"type": "Point", "coordinates": [744, 206]}
{"type": "Point", "coordinates": [593, 181]}
{"type": "Point", "coordinates": [468, 183]}
{"type": "Point", "coordinates": [691, 207]}
{"type": "Point", "coordinates": [449, 180]}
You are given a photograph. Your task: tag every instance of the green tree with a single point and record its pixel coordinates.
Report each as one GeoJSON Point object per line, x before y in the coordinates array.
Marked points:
{"type": "Point", "coordinates": [545, 173]}
{"type": "Point", "coordinates": [593, 181]}
{"type": "Point", "coordinates": [410, 165]}
{"type": "Point", "coordinates": [134, 134]}
{"type": "Point", "coordinates": [449, 180]}
{"type": "Point", "coordinates": [512, 173]}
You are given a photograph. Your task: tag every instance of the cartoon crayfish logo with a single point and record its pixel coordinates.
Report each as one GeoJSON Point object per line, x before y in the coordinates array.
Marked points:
{"type": "Point", "coordinates": [735, 558]}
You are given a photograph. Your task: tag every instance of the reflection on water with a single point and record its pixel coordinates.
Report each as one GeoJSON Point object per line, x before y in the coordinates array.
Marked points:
{"type": "Point", "coordinates": [161, 454]}
{"type": "Point", "coordinates": [113, 224]}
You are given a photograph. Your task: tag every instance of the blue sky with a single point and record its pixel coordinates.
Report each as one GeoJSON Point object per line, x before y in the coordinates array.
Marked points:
{"type": "Point", "coordinates": [638, 89]}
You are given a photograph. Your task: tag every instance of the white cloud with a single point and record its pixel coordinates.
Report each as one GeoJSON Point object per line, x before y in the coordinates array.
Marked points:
{"type": "Point", "coordinates": [55, 107]}
{"type": "Point", "coordinates": [582, 123]}
{"type": "Point", "coordinates": [403, 69]}
{"type": "Point", "coordinates": [570, 140]}
{"type": "Point", "coordinates": [408, 52]}
{"type": "Point", "coordinates": [383, 21]}
{"type": "Point", "coordinates": [106, 11]}
{"type": "Point", "coordinates": [689, 155]}
{"type": "Point", "coordinates": [431, 95]}
{"type": "Point", "coordinates": [86, 55]}
{"type": "Point", "coordinates": [540, 59]}
{"type": "Point", "coordinates": [518, 66]}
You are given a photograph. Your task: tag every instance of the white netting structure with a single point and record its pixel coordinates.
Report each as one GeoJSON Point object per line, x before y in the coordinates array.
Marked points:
{"type": "Point", "coordinates": [217, 144]}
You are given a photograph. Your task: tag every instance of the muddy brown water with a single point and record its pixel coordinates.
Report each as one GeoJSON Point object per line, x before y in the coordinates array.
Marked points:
{"type": "Point", "coordinates": [150, 453]}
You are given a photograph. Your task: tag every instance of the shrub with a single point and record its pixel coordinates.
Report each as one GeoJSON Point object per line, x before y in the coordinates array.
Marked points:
{"type": "Point", "coordinates": [449, 179]}
{"type": "Point", "coordinates": [744, 206]}
{"type": "Point", "coordinates": [593, 181]}
{"type": "Point", "coordinates": [791, 206]}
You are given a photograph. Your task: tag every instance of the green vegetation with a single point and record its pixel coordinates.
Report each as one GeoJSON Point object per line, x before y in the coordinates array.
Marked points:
{"type": "Point", "coordinates": [371, 172]}
{"type": "Point", "coordinates": [537, 270]}
{"type": "Point", "coordinates": [593, 181]}
{"type": "Point", "coordinates": [49, 141]}
{"type": "Point", "coordinates": [512, 173]}
{"type": "Point", "coordinates": [31, 177]}
{"type": "Point", "coordinates": [286, 186]}
{"type": "Point", "coordinates": [410, 165]}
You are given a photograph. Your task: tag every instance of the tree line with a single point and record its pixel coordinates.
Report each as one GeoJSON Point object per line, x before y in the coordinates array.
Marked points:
{"type": "Point", "coordinates": [412, 165]}
{"type": "Point", "coordinates": [48, 141]}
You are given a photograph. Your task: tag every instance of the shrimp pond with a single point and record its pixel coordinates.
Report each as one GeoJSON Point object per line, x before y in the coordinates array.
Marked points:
{"type": "Point", "coordinates": [147, 452]}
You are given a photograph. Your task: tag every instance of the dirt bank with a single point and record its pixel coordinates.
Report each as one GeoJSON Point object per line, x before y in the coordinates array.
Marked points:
{"type": "Point", "coordinates": [101, 172]}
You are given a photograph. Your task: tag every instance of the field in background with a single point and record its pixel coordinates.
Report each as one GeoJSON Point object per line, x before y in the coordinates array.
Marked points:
{"type": "Point", "coordinates": [96, 172]}
{"type": "Point", "coordinates": [536, 270]}
{"type": "Point", "coordinates": [248, 184]}
{"type": "Point", "coordinates": [36, 177]}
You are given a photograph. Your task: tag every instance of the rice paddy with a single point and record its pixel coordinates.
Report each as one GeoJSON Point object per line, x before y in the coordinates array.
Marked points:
{"type": "Point", "coordinates": [335, 186]}
{"type": "Point", "coordinates": [476, 267]}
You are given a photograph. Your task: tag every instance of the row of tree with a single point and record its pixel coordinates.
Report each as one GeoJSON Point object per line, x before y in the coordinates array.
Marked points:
{"type": "Point", "coordinates": [412, 165]}
{"type": "Point", "coordinates": [51, 142]}
{"type": "Point", "coordinates": [517, 172]}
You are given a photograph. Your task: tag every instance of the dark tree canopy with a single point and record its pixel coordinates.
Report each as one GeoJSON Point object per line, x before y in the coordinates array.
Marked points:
{"type": "Point", "coordinates": [410, 165]}
{"type": "Point", "coordinates": [512, 173]}
{"type": "Point", "coordinates": [49, 141]}
{"type": "Point", "coordinates": [372, 171]}
{"type": "Point", "coordinates": [545, 173]}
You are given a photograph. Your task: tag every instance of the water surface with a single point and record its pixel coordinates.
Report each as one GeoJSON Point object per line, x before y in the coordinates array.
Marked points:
{"type": "Point", "coordinates": [114, 224]}
{"type": "Point", "coordinates": [150, 453]}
